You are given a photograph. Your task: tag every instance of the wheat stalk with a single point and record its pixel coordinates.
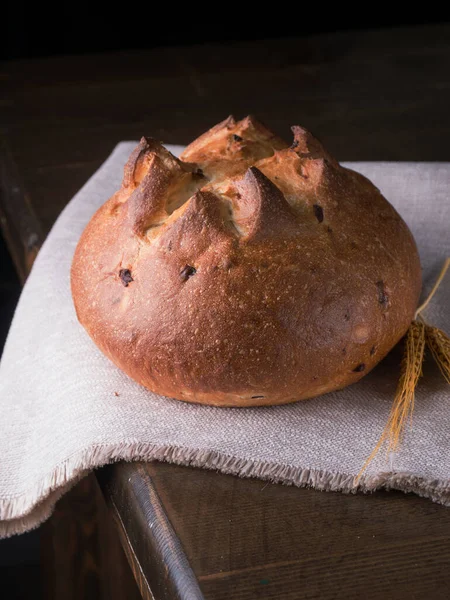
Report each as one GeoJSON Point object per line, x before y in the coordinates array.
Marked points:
{"type": "Point", "coordinates": [418, 334]}
{"type": "Point", "coordinates": [403, 405]}
{"type": "Point", "coordinates": [439, 344]}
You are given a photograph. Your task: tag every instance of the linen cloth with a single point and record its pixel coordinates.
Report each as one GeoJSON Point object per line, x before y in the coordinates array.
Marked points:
{"type": "Point", "coordinates": [65, 409]}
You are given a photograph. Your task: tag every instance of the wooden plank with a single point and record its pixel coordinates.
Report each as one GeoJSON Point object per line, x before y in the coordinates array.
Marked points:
{"type": "Point", "coordinates": [363, 46]}
{"type": "Point", "coordinates": [158, 559]}
{"type": "Point", "coordinates": [363, 93]}
{"type": "Point", "coordinates": [81, 555]}
{"type": "Point", "coordinates": [239, 532]}
{"type": "Point", "coordinates": [20, 226]}
{"type": "Point", "coordinates": [419, 573]}
{"type": "Point", "coordinates": [246, 538]}
{"type": "Point", "coordinates": [54, 188]}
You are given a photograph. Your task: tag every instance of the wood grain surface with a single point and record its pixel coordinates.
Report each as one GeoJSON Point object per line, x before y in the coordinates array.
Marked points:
{"type": "Point", "coordinates": [266, 541]}
{"type": "Point", "coordinates": [376, 95]}
{"type": "Point", "coordinates": [20, 226]}
{"type": "Point", "coordinates": [159, 557]}
{"type": "Point", "coordinates": [81, 556]}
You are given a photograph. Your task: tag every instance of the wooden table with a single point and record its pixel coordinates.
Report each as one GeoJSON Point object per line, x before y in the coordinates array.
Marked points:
{"type": "Point", "coordinates": [188, 533]}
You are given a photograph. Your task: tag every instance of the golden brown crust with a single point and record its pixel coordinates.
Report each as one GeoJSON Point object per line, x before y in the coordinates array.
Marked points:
{"type": "Point", "coordinates": [247, 272]}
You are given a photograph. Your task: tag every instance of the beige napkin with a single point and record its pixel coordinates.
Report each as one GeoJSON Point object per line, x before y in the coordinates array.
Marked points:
{"type": "Point", "coordinates": [65, 409]}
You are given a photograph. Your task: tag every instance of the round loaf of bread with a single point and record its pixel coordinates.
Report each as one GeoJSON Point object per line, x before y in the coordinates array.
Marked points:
{"type": "Point", "coordinates": [248, 272]}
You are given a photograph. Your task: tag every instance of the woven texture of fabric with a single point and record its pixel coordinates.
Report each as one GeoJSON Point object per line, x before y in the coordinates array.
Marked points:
{"type": "Point", "coordinates": [65, 409]}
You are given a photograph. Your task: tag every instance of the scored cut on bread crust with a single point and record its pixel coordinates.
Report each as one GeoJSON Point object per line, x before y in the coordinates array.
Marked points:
{"type": "Point", "coordinates": [247, 272]}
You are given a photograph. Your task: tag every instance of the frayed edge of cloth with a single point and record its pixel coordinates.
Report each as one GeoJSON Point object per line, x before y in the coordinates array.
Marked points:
{"type": "Point", "coordinates": [31, 509]}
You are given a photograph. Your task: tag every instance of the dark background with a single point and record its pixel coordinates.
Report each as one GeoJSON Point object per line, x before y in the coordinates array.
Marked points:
{"type": "Point", "coordinates": [32, 33]}
{"type": "Point", "coordinates": [29, 33]}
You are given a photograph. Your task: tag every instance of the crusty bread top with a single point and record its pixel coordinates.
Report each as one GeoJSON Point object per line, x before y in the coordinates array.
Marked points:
{"type": "Point", "coordinates": [248, 271]}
